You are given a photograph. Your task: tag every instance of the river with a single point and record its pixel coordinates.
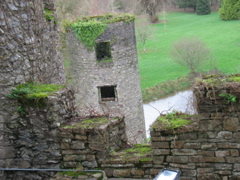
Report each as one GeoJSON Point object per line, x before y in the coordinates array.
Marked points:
{"type": "Point", "coordinates": [181, 101]}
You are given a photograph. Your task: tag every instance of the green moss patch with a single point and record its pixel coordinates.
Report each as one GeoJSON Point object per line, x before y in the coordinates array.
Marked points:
{"type": "Point", "coordinates": [138, 152]}
{"type": "Point", "coordinates": [96, 175]}
{"type": "Point", "coordinates": [172, 121]}
{"type": "Point", "coordinates": [32, 94]}
{"type": "Point", "coordinates": [219, 80]}
{"type": "Point", "coordinates": [88, 29]}
{"type": "Point", "coordinates": [90, 123]}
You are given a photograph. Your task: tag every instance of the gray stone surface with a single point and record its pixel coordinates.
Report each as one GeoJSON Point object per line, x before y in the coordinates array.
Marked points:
{"type": "Point", "coordinates": [122, 72]}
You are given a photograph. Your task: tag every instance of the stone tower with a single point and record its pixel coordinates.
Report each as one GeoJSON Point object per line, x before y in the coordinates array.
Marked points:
{"type": "Point", "coordinates": [106, 77]}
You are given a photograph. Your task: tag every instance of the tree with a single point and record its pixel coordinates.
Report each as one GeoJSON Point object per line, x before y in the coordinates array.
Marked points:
{"type": "Point", "coordinates": [203, 7]}
{"type": "Point", "coordinates": [191, 53]}
{"type": "Point", "coordinates": [229, 10]}
{"type": "Point", "coordinates": [186, 4]}
{"type": "Point", "coordinates": [144, 31]}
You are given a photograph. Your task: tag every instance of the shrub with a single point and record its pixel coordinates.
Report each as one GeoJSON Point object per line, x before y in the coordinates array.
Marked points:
{"type": "Point", "coordinates": [230, 10]}
{"type": "Point", "coordinates": [203, 7]}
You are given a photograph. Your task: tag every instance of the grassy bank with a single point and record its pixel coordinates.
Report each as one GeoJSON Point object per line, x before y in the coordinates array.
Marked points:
{"type": "Point", "coordinates": [156, 67]}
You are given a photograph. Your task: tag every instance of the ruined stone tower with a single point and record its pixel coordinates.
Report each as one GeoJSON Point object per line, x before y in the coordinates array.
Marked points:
{"type": "Point", "coordinates": [106, 77]}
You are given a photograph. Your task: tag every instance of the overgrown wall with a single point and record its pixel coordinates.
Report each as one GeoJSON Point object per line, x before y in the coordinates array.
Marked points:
{"type": "Point", "coordinates": [29, 51]}
{"type": "Point", "coordinates": [33, 137]}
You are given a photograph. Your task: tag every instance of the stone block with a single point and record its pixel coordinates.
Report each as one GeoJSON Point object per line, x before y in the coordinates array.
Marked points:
{"type": "Point", "coordinates": [208, 176]}
{"type": "Point", "coordinates": [209, 146]}
{"type": "Point", "coordinates": [210, 125]}
{"type": "Point", "coordinates": [158, 159]}
{"type": "Point", "coordinates": [77, 145]}
{"type": "Point", "coordinates": [233, 159]}
{"type": "Point", "coordinates": [183, 152]}
{"type": "Point", "coordinates": [192, 146]}
{"type": "Point", "coordinates": [155, 171]}
{"type": "Point", "coordinates": [159, 152]}
{"type": "Point", "coordinates": [80, 137]}
{"type": "Point", "coordinates": [234, 145]}
{"type": "Point", "coordinates": [234, 152]}
{"type": "Point", "coordinates": [6, 153]}
{"type": "Point", "coordinates": [236, 167]}
{"type": "Point", "coordinates": [189, 173]}
{"type": "Point", "coordinates": [160, 145]}
{"type": "Point", "coordinates": [189, 136]}
{"type": "Point", "coordinates": [121, 172]}
{"type": "Point", "coordinates": [196, 159]}
{"type": "Point", "coordinates": [205, 153]}
{"type": "Point", "coordinates": [177, 159]}
{"type": "Point", "coordinates": [223, 145]}
{"type": "Point", "coordinates": [222, 153]}
{"type": "Point", "coordinates": [204, 170]}
{"type": "Point", "coordinates": [225, 135]}
{"type": "Point", "coordinates": [183, 166]}
{"type": "Point", "coordinates": [90, 164]}
{"type": "Point", "coordinates": [65, 145]}
{"type": "Point", "coordinates": [214, 159]}
{"type": "Point", "coordinates": [137, 172]}
{"type": "Point", "coordinates": [223, 172]}
{"type": "Point", "coordinates": [177, 144]}
{"type": "Point", "coordinates": [236, 135]}
{"type": "Point", "coordinates": [74, 158]}
{"type": "Point", "coordinates": [223, 166]}
{"type": "Point", "coordinates": [231, 124]}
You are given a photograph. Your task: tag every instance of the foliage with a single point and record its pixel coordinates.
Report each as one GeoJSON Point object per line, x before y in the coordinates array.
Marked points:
{"type": "Point", "coordinates": [88, 29]}
{"type": "Point", "coordinates": [203, 7]}
{"type": "Point", "coordinates": [220, 80]}
{"type": "Point", "coordinates": [229, 97]}
{"type": "Point", "coordinates": [172, 121]}
{"type": "Point", "coordinates": [186, 4]}
{"type": "Point", "coordinates": [31, 94]}
{"type": "Point", "coordinates": [229, 10]}
{"type": "Point", "coordinates": [139, 152]}
{"type": "Point", "coordinates": [49, 15]}
{"type": "Point", "coordinates": [190, 52]}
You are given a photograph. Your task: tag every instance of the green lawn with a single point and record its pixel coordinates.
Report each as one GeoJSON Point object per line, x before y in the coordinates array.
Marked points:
{"type": "Point", "coordinates": [222, 37]}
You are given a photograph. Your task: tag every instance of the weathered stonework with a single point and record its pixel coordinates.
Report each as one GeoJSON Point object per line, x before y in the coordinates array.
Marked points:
{"type": "Point", "coordinates": [122, 73]}
{"type": "Point", "coordinates": [29, 45]}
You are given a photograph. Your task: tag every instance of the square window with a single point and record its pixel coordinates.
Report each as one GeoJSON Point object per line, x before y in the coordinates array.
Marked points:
{"type": "Point", "coordinates": [107, 93]}
{"type": "Point", "coordinates": [103, 51]}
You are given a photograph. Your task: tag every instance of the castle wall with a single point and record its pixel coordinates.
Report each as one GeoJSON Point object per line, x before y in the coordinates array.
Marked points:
{"type": "Point", "coordinates": [89, 74]}
{"type": "Point", "coordinates": [29, 51]}
{"type": "Point", "coordinates": [29, 44]}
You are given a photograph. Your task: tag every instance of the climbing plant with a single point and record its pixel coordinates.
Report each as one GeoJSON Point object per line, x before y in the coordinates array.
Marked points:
{"type": "Point", "coordinates": [88, 29]}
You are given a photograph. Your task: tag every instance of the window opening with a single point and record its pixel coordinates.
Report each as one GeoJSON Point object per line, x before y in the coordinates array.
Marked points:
{"type": "Point", "coordinates": [103, 51]}
{"type": "Point", "coordinates": [108, 93]}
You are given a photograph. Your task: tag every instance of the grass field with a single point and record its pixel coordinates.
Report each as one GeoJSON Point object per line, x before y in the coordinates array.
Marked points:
{"type": "Point", "coordinates": [222, 37]}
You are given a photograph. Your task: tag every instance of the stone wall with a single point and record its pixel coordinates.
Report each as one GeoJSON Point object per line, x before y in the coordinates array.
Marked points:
{"type": "Point", "coordinates": [122, 72]}
{"type": "Point", "coordinates": [85, 146]}
{"type": "Point", "coordinates": [29, 44]}
{"type": "Point", "coordinates": [34, 140]}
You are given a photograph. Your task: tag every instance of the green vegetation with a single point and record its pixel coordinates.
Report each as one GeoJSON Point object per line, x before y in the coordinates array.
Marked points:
{"type": "Point", "coordinates": [219, 80]}
{"type": "Point", "coordinates": [32, 94]}
{"type": "Point", "coordinates": [88, 123]}
{"type": "Point", "coordinates": [173, 120]}
{"type": "Point", "coordinates": [203, 7]}
{"type": "Point", "coordinates": [229, 97]}
{"type": "Point", "coordinates": [139, 152]}
{"type": "Point", "coordinates": [230, 10]}
{"type": "Point", "coordinates": [88, 29]}
{"type": "Point", "coordinates": [79, 173]}
{"type": "Point", "coordinates": [49, 15]}
{"type": "Point", "coordinates": [156, 66]}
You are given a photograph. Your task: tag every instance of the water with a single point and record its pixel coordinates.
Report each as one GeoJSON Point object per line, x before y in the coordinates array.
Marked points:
{"type": "Point", "coordinates": [182, 101]}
